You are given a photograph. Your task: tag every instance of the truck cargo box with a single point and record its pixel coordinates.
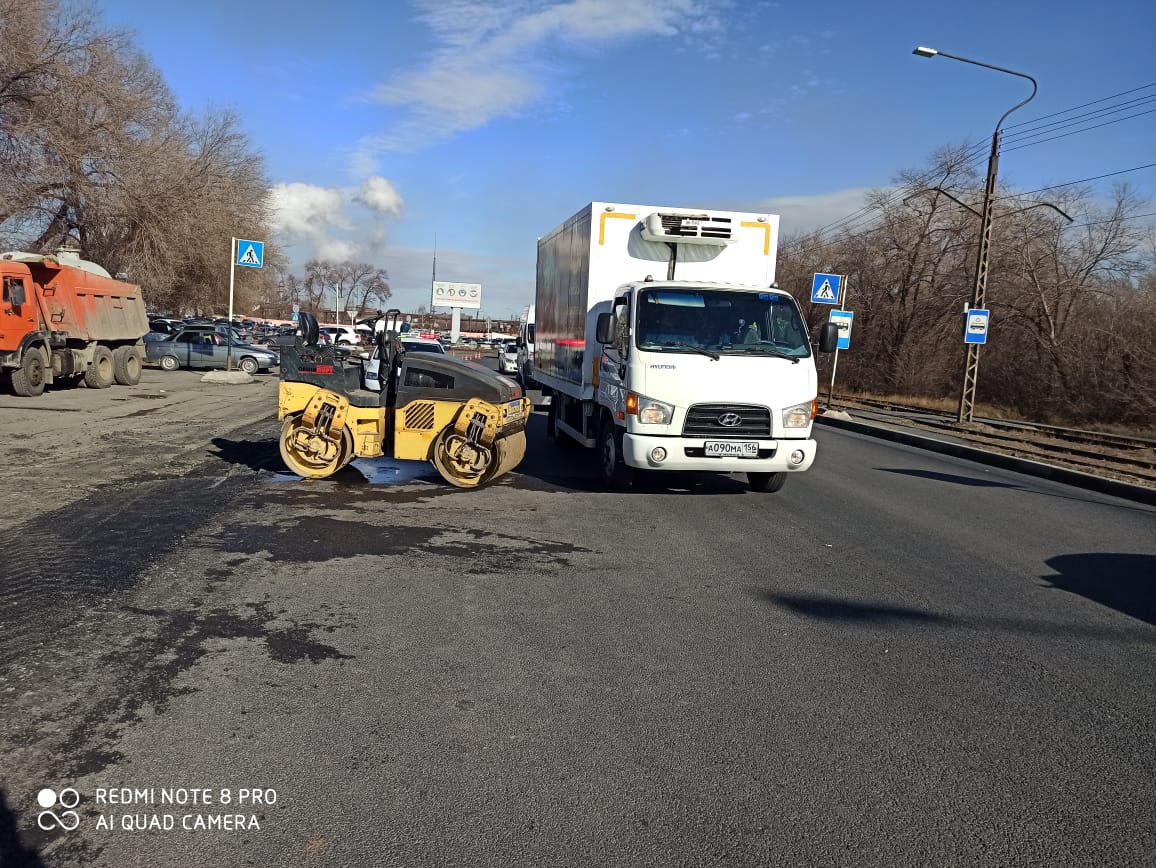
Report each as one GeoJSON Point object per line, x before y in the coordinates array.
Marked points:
{"type": "Point", "coordinates": [583, 262]}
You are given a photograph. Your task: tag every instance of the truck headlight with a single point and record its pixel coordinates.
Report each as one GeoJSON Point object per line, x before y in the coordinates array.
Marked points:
{"type": "Point", "coordinates": [652, 412]}
{"type": "Point", "coordinates": [798, 416]}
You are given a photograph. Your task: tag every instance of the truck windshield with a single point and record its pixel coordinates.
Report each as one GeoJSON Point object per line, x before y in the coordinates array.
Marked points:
{"type": "Point", "coordinates": [725, 321]}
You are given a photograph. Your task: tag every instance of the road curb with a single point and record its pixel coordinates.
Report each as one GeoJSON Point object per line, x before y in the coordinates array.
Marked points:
{"type": "Point", "coordinates": [1087, 481]}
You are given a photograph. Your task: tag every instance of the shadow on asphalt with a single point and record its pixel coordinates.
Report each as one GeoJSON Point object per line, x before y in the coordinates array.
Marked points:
{"type": "Point", "coordinates": [831, 609]}
{"type": "Point", "coordinates": [550, 466]}
{"type": "Point", "coordinates": [1124, 582]}
{"type": "Point", "coordinates": [547, 466]}
{"type": "Point", "coordinates": [13, 852]}
{"type": "Point", "coordinates": [948, 477]}
{"type": "Point", "coordinates": [255, 454]}
{"type": "Point", "coordinates": [856, 613]}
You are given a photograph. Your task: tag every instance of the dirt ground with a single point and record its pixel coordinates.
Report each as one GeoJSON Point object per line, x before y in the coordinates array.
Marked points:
{"type": "Point", "coordinates": [65, 444]}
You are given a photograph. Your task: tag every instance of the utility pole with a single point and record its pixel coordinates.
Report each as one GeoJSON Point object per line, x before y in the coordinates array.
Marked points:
{"type": "Point", "coordinates": [979, 287]}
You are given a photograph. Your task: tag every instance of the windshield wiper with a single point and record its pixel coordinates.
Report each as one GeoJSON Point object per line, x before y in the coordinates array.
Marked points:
{"type": "Point", "coordinates": [694, 349]}
{"type": "Point", "coordinates": [769, 351]}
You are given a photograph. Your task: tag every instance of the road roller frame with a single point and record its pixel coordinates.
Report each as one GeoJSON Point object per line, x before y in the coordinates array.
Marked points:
{"type": "Point", "coordinates": [468, 421]}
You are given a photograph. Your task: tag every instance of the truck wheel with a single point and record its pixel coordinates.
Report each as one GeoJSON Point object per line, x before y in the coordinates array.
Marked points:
{"type": "Point", "coordinates": [555, 433]}
{"type": "Point", "coordinates": [616, 474]}
{"type": "Point", "coordinates": [28, 380]}
{"type": "Point", "coordinates": [770, 482]}
{"type": "Point", "coordinates": [170, 363]}
{"type": "Point", "coordinates": [100, 370]}
{"type": "Point", "coordinates": [249, 365]}
{"type": "Point", "coordinates": [126, 366]}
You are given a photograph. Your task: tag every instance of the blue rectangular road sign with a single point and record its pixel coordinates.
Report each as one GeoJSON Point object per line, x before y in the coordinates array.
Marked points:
{"type": "Point", "coordinates": [975, 332]}
{"type": "Point", "coordinates": [250, 253]}
{"type": "Point", "coordinates": [825, 288]}
{"type": "Point", "coordinates": [843, 318]}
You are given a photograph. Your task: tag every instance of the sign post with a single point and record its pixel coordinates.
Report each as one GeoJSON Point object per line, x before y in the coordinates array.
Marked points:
{"type": "Point", "coordinates": [975, 332]}
{"type": "Point", "coordinates": [250, 254]}
{"type": "Point", "coordinates": [456, 296]}
{"type": "Point", "coordinates": [827, 289]}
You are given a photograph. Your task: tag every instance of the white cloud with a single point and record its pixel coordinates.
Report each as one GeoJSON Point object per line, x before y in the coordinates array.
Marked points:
{"type": "Point", "coordinates": [323, 222]}
{"type": "Point", "coordinates": [801, 214]}
{"type": "Point", "coordinates": [379, 195]}
{"type": "Point", "coordinates": [495, 59]}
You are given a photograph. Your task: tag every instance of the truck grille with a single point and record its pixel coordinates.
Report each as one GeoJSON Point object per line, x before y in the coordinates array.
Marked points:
{"type": "Point", "coordinates": [703, 420]}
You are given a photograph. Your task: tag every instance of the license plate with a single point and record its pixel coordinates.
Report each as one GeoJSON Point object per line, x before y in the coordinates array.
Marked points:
{"type": "Point", "coordinates": [514, 410]}
{"type": "Point", "coordinates": [732, 449]}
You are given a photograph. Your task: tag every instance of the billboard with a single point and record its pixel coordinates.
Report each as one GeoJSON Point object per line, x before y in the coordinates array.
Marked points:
{"type": "Point", "coordinates": [464, 295]}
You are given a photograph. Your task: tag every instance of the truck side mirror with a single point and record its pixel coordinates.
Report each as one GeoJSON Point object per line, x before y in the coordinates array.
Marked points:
{"type": "Point", "coordinates": [828, 337]}
{"type": "Point", "coordinates": [604, 331]}
{"type": "Point", "coordinates": [16, 293]}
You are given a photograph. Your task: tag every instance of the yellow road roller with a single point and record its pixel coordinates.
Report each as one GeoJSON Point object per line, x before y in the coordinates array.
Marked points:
{"type": "Point", "coordinates": [468, 421]}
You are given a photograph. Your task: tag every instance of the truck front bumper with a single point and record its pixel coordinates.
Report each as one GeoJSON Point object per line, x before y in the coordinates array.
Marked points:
{"type": "Point", "coordinates": [682, 453]}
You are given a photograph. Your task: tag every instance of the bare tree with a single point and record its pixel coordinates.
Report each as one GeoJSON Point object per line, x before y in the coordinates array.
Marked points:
{"type": "Point", "coordinates": [96, 150]}
{"type": "Point", "coordinates": [358, 285]}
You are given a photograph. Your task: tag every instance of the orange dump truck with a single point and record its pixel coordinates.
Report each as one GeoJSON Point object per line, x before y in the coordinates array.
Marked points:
{"type": "Point", "coordinates": [64, 319]}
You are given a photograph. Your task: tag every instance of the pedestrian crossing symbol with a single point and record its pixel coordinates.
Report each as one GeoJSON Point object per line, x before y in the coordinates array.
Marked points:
{"type": "Point", "coordinates": [825, 289]}
{"type": "Point", "coordinates": [250, 253]}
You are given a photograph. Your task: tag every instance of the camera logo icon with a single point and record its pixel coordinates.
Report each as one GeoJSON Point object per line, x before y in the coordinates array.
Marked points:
{"type": "Point", "coordinates": [67, 819]}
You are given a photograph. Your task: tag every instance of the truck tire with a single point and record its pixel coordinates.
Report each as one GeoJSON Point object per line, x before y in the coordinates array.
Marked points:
{"type": "Point", "coordinates": [28, 380]}
{"type": "Point", "coordinates": [249, 365]}
{"type": "Point", "coordinates": [616, 474]}
{"type": "Point", "coordinates": [769, 482]}
{"type": "Point", "coordinates": [126, 365]}
{"type": "Point", "coordinates": [100, 370]}
{"type": "Point", "coordinates": [560, 437]}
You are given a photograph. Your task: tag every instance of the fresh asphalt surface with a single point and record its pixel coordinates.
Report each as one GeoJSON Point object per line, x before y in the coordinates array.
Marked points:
{"type": "Point", "coordinates": [899, 659]}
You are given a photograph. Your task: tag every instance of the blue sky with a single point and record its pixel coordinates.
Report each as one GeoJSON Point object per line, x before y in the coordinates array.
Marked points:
{"type": "Point", "coordinates": [485, 124]}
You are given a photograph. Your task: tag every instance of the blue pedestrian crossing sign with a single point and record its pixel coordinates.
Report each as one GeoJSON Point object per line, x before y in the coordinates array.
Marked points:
{"type": "Point", "coordinates": [975, 332]}
{"type": "Point", "coordinates": [250, 253]}
{"type": "Point", "coordinates": [843, 318]}
{"type": "Point", "coordinates": [825, 288]}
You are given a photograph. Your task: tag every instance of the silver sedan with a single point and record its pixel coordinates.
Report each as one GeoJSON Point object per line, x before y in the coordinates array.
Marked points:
{"type": "Point", "coordinates": [199, 349]}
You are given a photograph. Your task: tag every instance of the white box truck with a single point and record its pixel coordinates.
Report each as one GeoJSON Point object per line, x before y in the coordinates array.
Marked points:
{"type": "Point", "coordinates": [666, 344]}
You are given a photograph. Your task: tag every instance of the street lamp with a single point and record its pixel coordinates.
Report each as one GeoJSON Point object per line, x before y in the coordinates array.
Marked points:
{"type": "Point", "coordinates": [979, 289]}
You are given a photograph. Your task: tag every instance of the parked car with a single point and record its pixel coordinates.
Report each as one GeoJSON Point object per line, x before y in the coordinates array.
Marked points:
{"type": "Point", "coordinates": [410, 345]}
{"type": "Point", "coordinates": [160, 328]}
{"type": "Point", "coordinates": [342, 335]}
{"type": "Point", "coordinates": [508, 357]}
{"type": "Point", "coordinates": [205, 348]}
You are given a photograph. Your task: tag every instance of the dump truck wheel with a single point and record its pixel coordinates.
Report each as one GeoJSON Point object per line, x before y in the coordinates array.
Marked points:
{"type": "Point", "coordinates": [170, 363]}
{"type": "Point", "coordinates": [100, 370]}
{"type": "Point", "coordinates": [28, 380]}
{"type": "Point", "coordinates": [309, 455]}
{"type": "Point", "coordinates": [126, 366]}
{"type": "Point", "coordinates": [769, 482]}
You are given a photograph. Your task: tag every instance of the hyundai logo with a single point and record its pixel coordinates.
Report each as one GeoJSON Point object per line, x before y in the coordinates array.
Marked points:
{"type": "Point", "coordinates": [729, 420]}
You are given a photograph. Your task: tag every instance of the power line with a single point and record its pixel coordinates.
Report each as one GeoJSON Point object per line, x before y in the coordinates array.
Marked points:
{"type": "Point", "coordinates": [1109, 220]}
{"type": "Point", "coordinates": [1084, 130]}
{"type": "Point", "coordinates": [972, 157]}
{"type": "Point", "coordinates": [1078, 119]}
{"type": "Point", "coordinates": [1081, 181]}
{"type": "Point", "coordinates": [1078, 107]}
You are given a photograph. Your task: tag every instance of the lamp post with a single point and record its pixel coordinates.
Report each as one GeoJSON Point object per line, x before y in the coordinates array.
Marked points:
{"type": "Point", "coordinates": [979, 288]}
